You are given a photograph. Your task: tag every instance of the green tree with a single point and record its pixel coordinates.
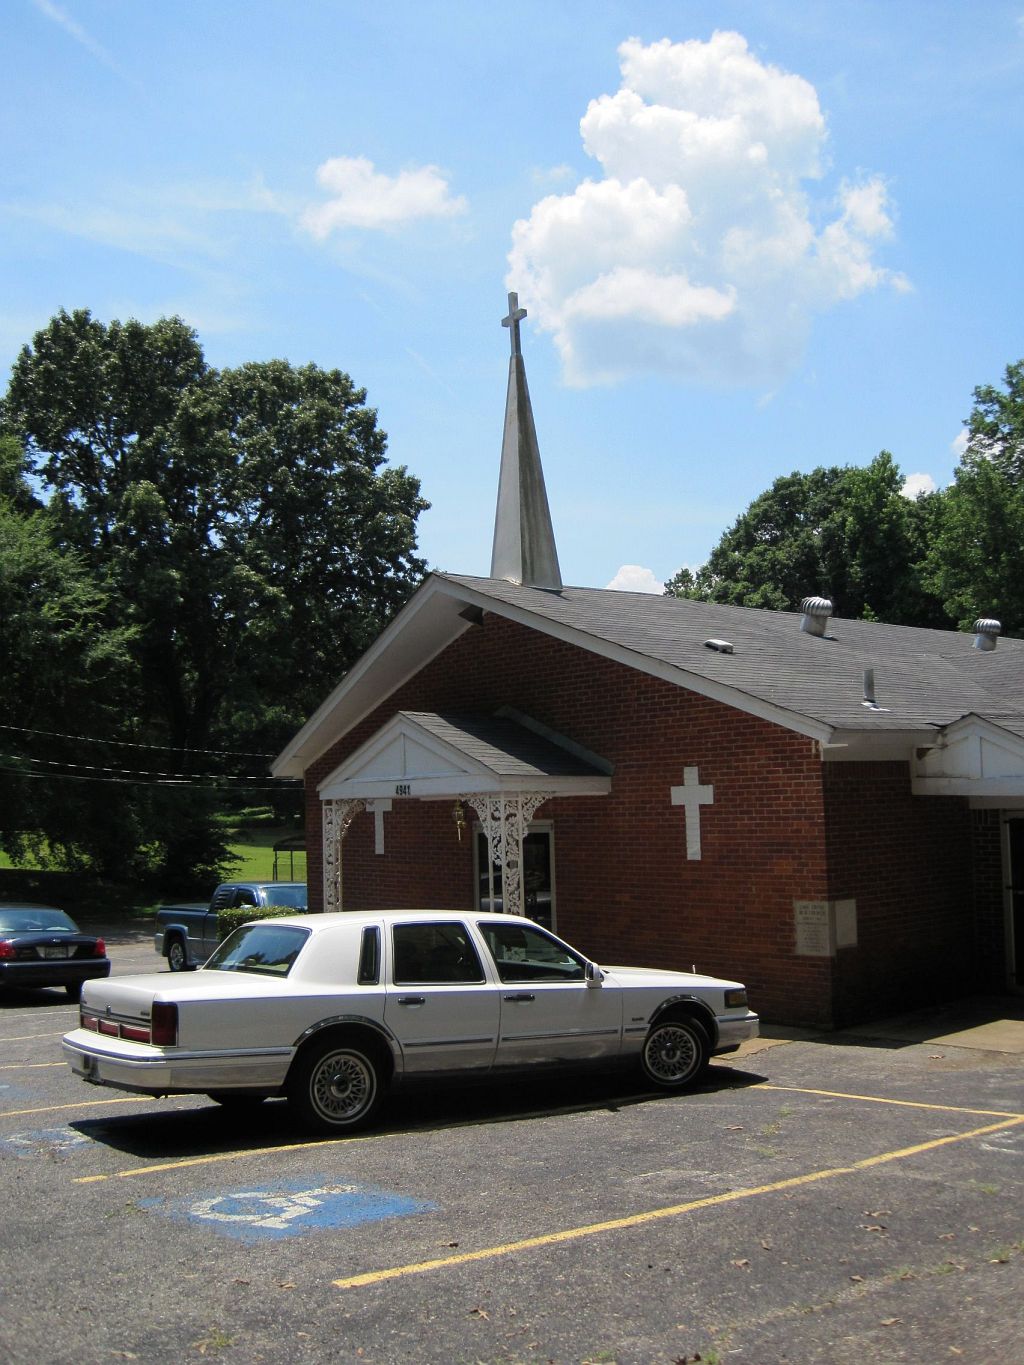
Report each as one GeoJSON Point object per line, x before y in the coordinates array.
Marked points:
{"type": "Point", "coordinates": [975, 561]}
{"type": "Point", "coordinates": [63, 666]}
{"type": "Point", "coordinates": [842, 532]}
{"type": "Point", "coordinates": [242, 523]}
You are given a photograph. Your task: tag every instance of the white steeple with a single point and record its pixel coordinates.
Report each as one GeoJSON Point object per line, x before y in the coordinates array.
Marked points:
{"type": "Point", "coordinates": [524, 541]}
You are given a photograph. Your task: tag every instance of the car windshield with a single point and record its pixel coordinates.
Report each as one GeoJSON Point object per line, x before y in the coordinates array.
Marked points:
{"type": "Point", "coordinates": [41, 918]}
{"type": "Point", "coordinates": [267, 949]}
{"type": "Point", "coordinates": [295, 896]}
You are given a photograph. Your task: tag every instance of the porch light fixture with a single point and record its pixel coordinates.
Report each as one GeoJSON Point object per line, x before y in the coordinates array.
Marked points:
{"type": "Point", "coordinates": [459, 816]}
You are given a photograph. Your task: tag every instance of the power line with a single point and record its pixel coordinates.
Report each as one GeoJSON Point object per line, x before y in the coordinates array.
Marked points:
{"type": "Point", "coordinates": [263, 785]}
{"type": "Point", "coordinates": [130, 744]}
{"type": "Point", "coordinates": [140, 772]}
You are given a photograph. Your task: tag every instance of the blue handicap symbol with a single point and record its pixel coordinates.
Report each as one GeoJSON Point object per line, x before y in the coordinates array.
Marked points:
{"type": "Point", "coordinates": [288, 1209]}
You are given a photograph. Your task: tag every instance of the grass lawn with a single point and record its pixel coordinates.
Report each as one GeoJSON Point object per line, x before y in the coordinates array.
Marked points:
{"type": "Point", "coordinates": [254, 849]}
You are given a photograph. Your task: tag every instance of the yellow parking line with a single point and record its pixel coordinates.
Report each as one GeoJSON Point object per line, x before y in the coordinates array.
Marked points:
{"type": "Point", "coordinates": [159, 1168]}
{"type": "Point", "coordinates": [903, 1104]}
{"type": "Point", "coordinates": [29, 1066]}
{"type": "Point", "coordinates": [81, 1104]}
{"type": "Point", "coordinates": [673, 1211]}
{"type": "Point", "coordinates": [27, 1037]}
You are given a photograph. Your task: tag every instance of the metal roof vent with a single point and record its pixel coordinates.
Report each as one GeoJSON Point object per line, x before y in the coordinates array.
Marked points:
{"type": "Point", "coordinates": [721, 646]}
{"type": "Point", "coordinates": [986, 633]}
{"type": "Point", "coordinates": [816, 611]}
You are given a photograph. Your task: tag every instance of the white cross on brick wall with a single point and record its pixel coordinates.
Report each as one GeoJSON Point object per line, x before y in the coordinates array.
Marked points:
{"type": "Point", "coordinates": [691, 795]}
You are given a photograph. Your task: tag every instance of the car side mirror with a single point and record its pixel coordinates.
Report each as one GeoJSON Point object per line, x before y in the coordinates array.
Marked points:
{"type": "Point", "coordinates": [592, 974]}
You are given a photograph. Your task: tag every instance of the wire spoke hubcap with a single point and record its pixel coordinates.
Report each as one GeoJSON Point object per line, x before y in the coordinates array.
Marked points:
{"type": "Point", "coordinates": [671, 1053]}
{"type": "Point", "coordinates": [341, 1086]}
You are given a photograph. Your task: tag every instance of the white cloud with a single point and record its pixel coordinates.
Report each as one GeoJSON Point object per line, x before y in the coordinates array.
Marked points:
{"type": "Point", "coordinates": [959, 444]}
{"type": "Point", "coordinates": [635, 578]}
{"type": "Point", "coordinates": [361, 197]}
{"type": "Point", "coordinates": [915, 485]}
{"type": "Point", "coordinates": [697, 252]}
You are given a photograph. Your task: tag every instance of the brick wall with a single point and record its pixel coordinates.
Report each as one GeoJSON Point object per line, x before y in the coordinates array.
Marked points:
{"type": "Point", "coordinates": [989, 907]}
{"type": "Point", "coordinates": [906, 861]}
{"type": "Point", "coordinates": [626, 891]}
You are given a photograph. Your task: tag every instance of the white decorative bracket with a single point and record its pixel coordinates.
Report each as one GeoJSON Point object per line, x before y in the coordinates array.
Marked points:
{"type": "Point", "coordinates": [338, 815]}
{"type": "Point", "coordinates": [505, 821]}
{"type": "Point", "coordinates": [691, 795]}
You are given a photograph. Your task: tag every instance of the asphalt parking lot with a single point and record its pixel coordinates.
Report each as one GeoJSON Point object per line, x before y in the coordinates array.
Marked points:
{"type": "Point", "coordinates": [857, 1198]}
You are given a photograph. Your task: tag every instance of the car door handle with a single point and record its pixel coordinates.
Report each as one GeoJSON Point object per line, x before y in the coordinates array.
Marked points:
{"type": "Point", "coordinates": [412, 999]}
{"type": "Point", "coordinates": [520, 995]}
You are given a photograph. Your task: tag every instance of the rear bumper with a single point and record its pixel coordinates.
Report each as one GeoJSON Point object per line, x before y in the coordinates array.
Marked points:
{"type": "Point", "coordinates": [151, 1071]}
{"type": "Point", "coordinates": [59, 973]}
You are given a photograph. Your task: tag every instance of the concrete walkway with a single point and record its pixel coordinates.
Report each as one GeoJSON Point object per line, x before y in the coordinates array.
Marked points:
{"type": "Point", "coordinates": [982, 1023]}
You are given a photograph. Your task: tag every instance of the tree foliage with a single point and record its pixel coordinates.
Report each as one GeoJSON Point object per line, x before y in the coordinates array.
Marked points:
{"type": "Point", "coordinates": [239, 530]}
{"type": "Point", "coordinates": [975, 560]}
{"type": "Point", "coordinates": [842, 532]}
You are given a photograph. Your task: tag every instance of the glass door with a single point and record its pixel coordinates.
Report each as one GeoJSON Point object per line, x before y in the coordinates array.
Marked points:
{"type": "Point", "coordinates": [538, 875]}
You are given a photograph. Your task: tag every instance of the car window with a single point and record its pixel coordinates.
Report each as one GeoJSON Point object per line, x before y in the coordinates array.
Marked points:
{"type": "Point", "coordinates": [268, 949]}
{"type": "Point", "coordinates": [50, 920]}
{"type": "Point", "coordinates": [369, 957]}
{"type": "Point", "coordinates": [286, 894]}
{"type": "Point", "coordinates": [433, 955]}
{"type": "Point", "coordinates": [245, 896]}
{"type": "Point", "coordinates": [522, 952]}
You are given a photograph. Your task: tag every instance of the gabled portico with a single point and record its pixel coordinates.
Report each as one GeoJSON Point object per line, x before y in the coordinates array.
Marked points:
{"type": "Point", "coordinates": [980, 757]}
{"type": "Point", "coordinates": [503, 766]}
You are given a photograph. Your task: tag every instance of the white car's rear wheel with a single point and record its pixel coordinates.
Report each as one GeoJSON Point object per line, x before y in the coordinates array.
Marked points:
{"type": "Point", "coordinates": [336, 1086]}
{"type": "Point", "coordinates": [675, 1053]}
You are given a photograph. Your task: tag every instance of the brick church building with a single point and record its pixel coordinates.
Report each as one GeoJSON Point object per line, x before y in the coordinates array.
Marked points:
{"type": "Point", "coordinates": [831, 811]}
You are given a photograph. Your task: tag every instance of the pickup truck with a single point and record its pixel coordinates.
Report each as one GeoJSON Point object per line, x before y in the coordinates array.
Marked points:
{"type": "Point", "coordinates": [186, 935]}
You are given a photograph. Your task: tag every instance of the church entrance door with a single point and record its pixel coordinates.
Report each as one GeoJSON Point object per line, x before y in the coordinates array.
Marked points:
{"type": "Point", "coordinates": [538, 876]}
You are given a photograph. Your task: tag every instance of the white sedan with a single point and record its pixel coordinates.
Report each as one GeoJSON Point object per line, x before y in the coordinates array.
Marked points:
{"type": "Point", "coordinates": [333, 1010]}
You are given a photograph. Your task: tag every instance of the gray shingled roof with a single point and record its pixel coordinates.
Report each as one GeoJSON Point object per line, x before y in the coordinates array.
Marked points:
{"type": "Point", "coordinates": [505, 747]}
{"type": "Point", "coordinates": [922, 677]}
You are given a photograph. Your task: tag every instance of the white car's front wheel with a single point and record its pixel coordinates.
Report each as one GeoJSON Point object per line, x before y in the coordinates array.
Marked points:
{"type": "Point", "coordinates": [675, 1053]}
{"type": "Point", "coordinates": [336, 1086]}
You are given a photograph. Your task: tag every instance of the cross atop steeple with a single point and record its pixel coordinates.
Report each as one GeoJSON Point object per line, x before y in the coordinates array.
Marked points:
{"type": "Point", "coordinates": [515, 317]}
{"type": "Point", "coordinates": [524, 542]}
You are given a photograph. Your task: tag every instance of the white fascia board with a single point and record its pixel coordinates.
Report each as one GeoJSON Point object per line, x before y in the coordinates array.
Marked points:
{"type": "Point", "coordinates": [643, 663]}
{"type": "Point", "coordinates": [425, 626]}
{"type": "Point", "coordinates": [974, 787]}
{"type": "Point", "coordinates": [464, 784]}
{"type": "Point", "coordinates": [858, 746]}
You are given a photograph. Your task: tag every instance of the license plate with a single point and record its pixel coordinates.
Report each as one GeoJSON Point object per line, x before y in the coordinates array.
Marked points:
{"type": "Point", "coordinates": [61, 951]}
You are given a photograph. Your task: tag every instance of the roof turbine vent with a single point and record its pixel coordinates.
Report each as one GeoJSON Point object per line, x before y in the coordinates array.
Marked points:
{"type": "Point", "coordinates": [986, 633]}
{"type": "Point", "coordinates": [816, 611]}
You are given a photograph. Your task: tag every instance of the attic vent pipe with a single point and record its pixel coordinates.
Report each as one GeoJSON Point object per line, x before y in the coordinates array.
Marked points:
{"type": "Point", "coordinates": [816, 611]}
{"type": "Point", "coordinates": [869, 686]}
{"type": "Point", "coordinates": [986, 633]}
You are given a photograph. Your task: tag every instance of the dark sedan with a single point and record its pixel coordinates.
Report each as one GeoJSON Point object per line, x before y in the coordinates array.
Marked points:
{"type": "Point", "coordinates": [40, 946]}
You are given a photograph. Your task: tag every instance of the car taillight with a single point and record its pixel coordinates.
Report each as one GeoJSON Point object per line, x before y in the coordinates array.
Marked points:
{"type": "Point", "coordinates": [164, 1024]}
{"type": "Point", "coordinates": [88, 1021]}
{"type": "Point", "coordinates": [99, 949]}
{"type": "Point", "coordinates": [137, 1035]}
{"type": "Point", "coordinates": [6, 948]}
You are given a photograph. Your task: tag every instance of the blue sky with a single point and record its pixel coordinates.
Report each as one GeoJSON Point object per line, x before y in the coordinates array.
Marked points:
{"type": "Point", "coordinates": [751, 237]}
